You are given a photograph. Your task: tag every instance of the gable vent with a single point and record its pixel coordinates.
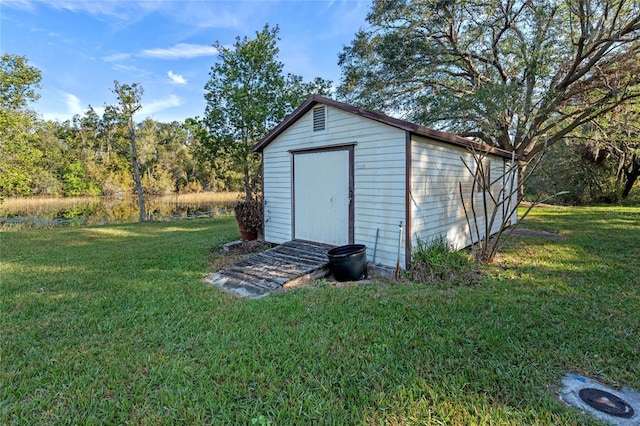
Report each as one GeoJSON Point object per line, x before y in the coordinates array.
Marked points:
{"type": "Point", "coordinates": [319, 118]}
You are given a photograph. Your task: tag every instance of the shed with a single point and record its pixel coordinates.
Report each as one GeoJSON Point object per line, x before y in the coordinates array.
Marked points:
{"type": "Point", "coordinates": [337, 174]}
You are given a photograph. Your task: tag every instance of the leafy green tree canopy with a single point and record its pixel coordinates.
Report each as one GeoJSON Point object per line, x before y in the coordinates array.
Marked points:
{"type": "Point", "coordinates": [18, 82]}
{"type": "Point", "coordinates": [18, 157]}
{"type": "Point", "coordinates": [511, 73]}
{"type": "Point", "coordinates": [612, 142]}
{"type": "Point", "coordinates": [247, 95]}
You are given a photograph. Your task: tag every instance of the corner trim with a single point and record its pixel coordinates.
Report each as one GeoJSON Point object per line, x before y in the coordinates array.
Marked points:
{"type": "Point", "coordinates": [407, 201]}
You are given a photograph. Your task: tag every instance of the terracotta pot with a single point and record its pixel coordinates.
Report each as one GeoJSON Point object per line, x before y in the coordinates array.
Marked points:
{"type": "Point", "coordinates": [248, 235]}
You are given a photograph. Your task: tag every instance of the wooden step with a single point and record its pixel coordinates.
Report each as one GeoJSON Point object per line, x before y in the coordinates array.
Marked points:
{"type": "Point", "coordinates": [287, 265]}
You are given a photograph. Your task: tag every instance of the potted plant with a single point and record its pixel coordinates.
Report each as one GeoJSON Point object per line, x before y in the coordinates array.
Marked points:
{"type": "Point", "coordinates": [249, 215]}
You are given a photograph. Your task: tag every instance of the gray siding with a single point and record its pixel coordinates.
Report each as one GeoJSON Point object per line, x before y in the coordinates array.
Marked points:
{"type": "Point", "coordinates": [436, 204]}
{"type": "Point", "coordinates": [379, 178]}
{"type": "Point", "coordinates": [380, 186]}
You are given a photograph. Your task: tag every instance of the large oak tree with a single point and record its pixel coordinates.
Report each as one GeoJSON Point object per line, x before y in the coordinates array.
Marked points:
{"type": "Point", "coordinates": [511, 73]}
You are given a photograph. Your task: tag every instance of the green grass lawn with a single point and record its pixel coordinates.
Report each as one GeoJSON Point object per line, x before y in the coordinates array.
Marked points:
{"type": "Point", "coordinates": [113, 325]}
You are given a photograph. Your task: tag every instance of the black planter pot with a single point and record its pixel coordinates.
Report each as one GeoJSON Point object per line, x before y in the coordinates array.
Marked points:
{"type": "Point", "coordinates": [348, 263]}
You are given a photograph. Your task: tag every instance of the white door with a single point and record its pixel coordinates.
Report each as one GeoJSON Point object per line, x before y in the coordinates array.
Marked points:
{"type": "Point", "coordinates": [322, 196]}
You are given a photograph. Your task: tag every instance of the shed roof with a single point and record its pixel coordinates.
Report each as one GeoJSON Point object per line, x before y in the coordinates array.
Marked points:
{"type": "Point", "coordinates": [415, 129]}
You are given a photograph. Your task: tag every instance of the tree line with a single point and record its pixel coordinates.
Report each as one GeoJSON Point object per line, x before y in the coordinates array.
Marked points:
{"type": "Point", "coordinates": [558, 79]}
{"type": "Point", "coordinates": [111, 154]}
{"type": "Point", "coordinates": [90, 153]}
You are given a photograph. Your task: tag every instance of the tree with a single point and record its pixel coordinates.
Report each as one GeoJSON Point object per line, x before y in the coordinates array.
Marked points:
{"type": "Point", "coordinates": [511, 73]}
{"type": "Point", "coordinates": [246, 96]}
{"type": "Point", "coordinates": [18, 157]}
{"type": "Point", "coordinates": [196, 136]}
{"type": "Point", "coordinates": [18, 82]}
{"type": "Point", "coordinates": [86, 128]}
{"type": "Point", "coordinates": [56, 154]}
{"type": "Point", "coordinates": [616, 137]}
{"type": "Point", "coordinates": [129, 103]}
{"type": "Point", "coordinates": [176, 159]}
{"type": "Point", "coordinates": [598, 162]}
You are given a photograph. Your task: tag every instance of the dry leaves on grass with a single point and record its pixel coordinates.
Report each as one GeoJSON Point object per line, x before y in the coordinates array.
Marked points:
{"type": "Point", "coordinates": [235, 252]}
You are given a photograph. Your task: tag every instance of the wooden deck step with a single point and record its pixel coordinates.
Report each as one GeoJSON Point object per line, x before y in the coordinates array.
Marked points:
{"type": "Point", "coordinates": [286, 265]}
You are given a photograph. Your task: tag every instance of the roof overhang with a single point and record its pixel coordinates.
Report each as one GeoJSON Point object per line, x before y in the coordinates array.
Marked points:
{"type": "Point", "coordinates": [412, 128]}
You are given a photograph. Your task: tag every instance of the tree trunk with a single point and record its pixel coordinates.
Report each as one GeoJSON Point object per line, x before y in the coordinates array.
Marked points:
{"type": "Point", "coordinates": [136, 172]}
{"type": "Point", "coordinates": [248, 192]}
{"type": "Point", "coordinates": [631, 177]}
{"type": "Point", "coordinates": [521, 176]}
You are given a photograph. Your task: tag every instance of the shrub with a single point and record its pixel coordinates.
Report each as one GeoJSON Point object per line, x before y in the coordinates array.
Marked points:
{"type": "Point", "coordinates": [249, 215]}
{"type": "Point", "coordinates": [437, 261]}
{"type": "Point", "coordinates": [74, 180]}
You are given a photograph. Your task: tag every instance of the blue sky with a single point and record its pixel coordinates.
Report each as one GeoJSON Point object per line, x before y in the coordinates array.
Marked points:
{"type": "Point", "coordinates": [82, 46]}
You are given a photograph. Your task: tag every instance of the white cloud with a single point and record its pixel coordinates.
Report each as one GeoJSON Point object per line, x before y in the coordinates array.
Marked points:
{"type": "Point", "coordinates": [194, 14]}
{"type": "Point", "coordinates": [54, 116]}
{"type": "Point", "coordinates": [181, 51]}
{"type": "Point", "coordinates": [202, 14]}
{"type": "Point", "coordinates": [116, 57]}
{"type": "Point", "coordinates": [19, 4]}
{"type": "Point", "coordinates": [161, 104]}
{"type": "Point", "coordinates": [176, 78]}
{"type": "Point", "coordinates": [131, 69]}
{"type": "Point", "coordinates": [73, 104]}
{"type": "Point", "coordinates": [118, 9]}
